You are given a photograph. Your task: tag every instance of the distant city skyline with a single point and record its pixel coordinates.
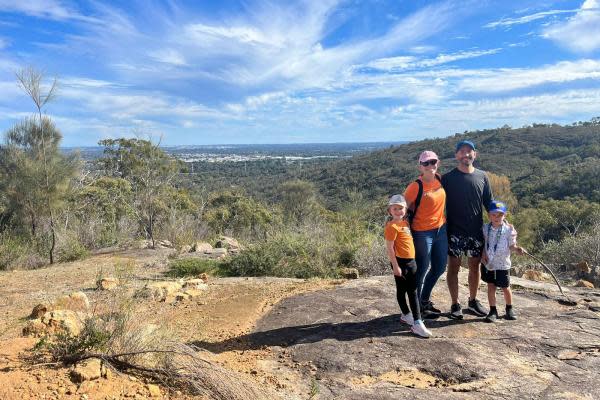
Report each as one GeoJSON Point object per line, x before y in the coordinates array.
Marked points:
{"type": "Point", "coordinates": [258, 71]}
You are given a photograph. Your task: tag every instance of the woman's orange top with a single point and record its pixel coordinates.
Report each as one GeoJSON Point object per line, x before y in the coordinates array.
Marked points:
{"type": "Point", "coordinates": [430, 214]}
{"type": "Point", "coordinates": [399, 232]}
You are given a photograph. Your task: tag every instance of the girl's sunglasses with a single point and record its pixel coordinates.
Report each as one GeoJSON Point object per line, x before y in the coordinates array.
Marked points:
{"type": "Point", "coordinates": [429, 162]}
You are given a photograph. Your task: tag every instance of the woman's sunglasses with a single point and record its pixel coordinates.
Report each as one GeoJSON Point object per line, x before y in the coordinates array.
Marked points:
{"type": "Point", "coordinates": [429, 162]}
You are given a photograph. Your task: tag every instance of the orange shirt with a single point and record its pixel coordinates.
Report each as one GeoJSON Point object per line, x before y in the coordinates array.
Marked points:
{"type": "Point", "coordinates": [430, 214]}
{"type": "Point", "coordinates": [399, 232]}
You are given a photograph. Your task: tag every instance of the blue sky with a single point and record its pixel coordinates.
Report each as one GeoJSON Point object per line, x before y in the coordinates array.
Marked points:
{"type": "Point", "coordinates": [207, 72]}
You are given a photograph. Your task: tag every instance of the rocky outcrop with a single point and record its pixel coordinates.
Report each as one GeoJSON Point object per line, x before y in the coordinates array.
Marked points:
{"type": "Point", "coordinates": [107, 283]}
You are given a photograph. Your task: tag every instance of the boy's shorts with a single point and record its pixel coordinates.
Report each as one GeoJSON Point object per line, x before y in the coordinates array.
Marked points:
{"type": "Point", "coordinates": [498, 277]}
{"type": "Point", "coordinates": [459, 245]}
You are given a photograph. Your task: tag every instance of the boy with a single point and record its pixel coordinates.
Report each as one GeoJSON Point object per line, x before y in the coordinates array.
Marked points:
{"type": "Point", "coordinates": [500, 238]}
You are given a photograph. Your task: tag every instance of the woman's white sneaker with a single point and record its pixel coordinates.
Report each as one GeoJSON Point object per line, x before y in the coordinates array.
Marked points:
{"type": "Point", "coordinates": [407, 319]}
{"type": "Point", "coordinates": [419, 329]}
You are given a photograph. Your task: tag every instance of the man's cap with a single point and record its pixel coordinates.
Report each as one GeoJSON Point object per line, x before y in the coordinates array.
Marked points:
{"type": "Point", "coordinates": [397, 199]}
{"type": "Point", "coordinates": [465, 143]}
{"type": "Point", "coordinates": [428, 155]}
{"type": "Point", "coordinates": [496, 206]}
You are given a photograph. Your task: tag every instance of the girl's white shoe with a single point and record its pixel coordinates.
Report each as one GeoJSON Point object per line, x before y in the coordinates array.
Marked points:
{"type": "Point", "coordinates": [419, 329]}
{"type": "Point", "coordinates": [407, 319]}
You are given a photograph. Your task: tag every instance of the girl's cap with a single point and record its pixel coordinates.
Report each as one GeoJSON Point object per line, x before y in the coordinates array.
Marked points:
{"type": "Point", "coordinates": [427, 155]}
{"type": "Point", "coordinates": [397, 199]}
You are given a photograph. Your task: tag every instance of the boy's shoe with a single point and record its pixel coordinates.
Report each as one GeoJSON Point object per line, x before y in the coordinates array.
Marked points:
{"type": "Point", "coordinates": [456, 311]}
{"type": "Point", "coordinates": [492, 316]}
{"type": "Point", "coordinates": [510, 314]}
{"type": "Point", "coordinates": [476, 307]}
{"type": "Point", "coordinates": [419, 329]}
{"type": "Point", "coordinates": [428, 307]}
{"type": "Point", "coordinates": [407, 319]}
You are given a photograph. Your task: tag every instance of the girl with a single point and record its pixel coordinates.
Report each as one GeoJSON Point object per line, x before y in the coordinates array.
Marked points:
{"type": "Point", "coordinates": [401, 253]}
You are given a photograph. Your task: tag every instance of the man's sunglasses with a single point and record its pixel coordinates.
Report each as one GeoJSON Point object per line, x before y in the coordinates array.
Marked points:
{"type": "Point", "coordinates": [429, 162]}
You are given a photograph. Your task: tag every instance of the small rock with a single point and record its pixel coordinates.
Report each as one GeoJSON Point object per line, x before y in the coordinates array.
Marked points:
{"type": "Point", "coordinates": [218, 252]}
{"type": "Point", "coordinates": [154, 390]}
{"type": "Point", "coordinates": [195, 284]}
{"type": "Point", "coordinates": [203, 276]}
{"type": "Point", "coordinates": [349, 273]}
{"type": "Point", "coordinates": [107, 283]}
{"type": "Point", "coordinates": [228, 243]}
{"type": "Point", "coordinates": [585, 284]}
{"type": "Point", "coordinates": [39, 310]}
{"type": "Point", "coordinates": [534, 275]}
{"type": "Point", "coordinates": [160, 290]}
{"type": "Point", "coordinates": [569, 355]}
{"type": "Point", "coordinates": [186, 248]}
{"type": "Point", "coordinates": [77, 301]}
{"type": "Point", "coordinates": [86, 371]}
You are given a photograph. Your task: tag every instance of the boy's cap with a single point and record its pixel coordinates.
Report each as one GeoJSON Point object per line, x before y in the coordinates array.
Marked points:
{"type": "Point", "coordinates": [397, 199]}
{"type": "Point", "coordinates": [496, 206]}
{"type": "Point", "coordinates": [465, 143]}
{"type": "Point", "coordinates": [428, 155]}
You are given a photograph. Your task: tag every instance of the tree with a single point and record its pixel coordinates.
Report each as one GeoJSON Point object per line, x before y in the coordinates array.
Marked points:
{"type": "Point", "coordinates": [298, 200]}
{"type": "Point", "coordinates": [35, 175]}
{"type": "Point", "coordinates": [151, 173]}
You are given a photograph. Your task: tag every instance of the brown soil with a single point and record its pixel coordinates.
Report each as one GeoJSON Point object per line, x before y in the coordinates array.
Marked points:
{"type": "Point", "coordinates": [229, 309]}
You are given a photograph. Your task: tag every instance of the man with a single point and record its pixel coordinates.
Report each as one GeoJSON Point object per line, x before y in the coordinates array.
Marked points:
{"type": "Point", "coordinates": [468, 191]}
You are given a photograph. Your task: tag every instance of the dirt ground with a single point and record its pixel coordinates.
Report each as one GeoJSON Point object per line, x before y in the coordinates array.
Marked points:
{"type": "Point", "coordinates": [229, 309]}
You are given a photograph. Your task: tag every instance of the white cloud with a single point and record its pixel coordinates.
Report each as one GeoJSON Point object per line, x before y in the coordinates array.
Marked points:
{"type": "Point", "coordinates": [526, 18]}
{"type": "Point", "coordinates": [50, 9]}
{"type": "Point", "coordinates": [580, 33]}
{"type": "Point", "coordinates": [409, 62]}
{"type": "Point", "coordinates": [507, 79]}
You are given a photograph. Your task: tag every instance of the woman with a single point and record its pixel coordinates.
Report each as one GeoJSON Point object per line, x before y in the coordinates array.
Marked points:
{"type": "Point", "coordinates": [426, 199]}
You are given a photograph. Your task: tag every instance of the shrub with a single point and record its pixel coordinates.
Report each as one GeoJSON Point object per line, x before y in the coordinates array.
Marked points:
{"type": "Point", "coordinates": [573, 249]}
{"type": "Point", "coordinates": [193, 267]}
{"type": "Point", "coordinates": [18, 253]}
{"type": "Point", "coordinates": [371, 259]}
{"type": "Point", "coordinates": [297, 255]}
{"type": "Point", "coordinates": [70, 249]}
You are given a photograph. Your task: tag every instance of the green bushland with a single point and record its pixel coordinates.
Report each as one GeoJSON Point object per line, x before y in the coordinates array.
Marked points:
{"type": "Point", "coordinates": [195, 266]}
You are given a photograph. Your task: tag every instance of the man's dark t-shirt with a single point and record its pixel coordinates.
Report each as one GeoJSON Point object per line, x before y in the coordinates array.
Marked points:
{"type": "Point", "coordinates": [466, 195]}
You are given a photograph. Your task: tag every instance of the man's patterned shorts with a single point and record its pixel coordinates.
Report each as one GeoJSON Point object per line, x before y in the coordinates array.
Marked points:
{"type": "Point", "coordinates": [459, 245]}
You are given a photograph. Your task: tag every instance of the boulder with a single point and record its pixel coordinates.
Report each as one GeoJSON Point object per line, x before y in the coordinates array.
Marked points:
{"type": "Point", "coordinates": [535, 275]}
{"type": "Point", "coordinates": [34, 327]}
{"type": "Point", "coordinates": [160, 290]}
{"type": "Point", "coordinates": [203, 276]}
{"type": "Point", "coordinates": [349, 273]}
{"type": "Point", "coordinates": [145, 244]}
{"type": "Point", "coordinates": [39, 310]}
{"type": "Point", "coordinates": [585, 284]}
{"type": "Point", "coordinates": [87, 370]}
{"type": "Point", "coordinates": [107, 283]}
{"type": "Point", "coordinates": [65, 321]}
{"type": "Point", "coordinates": [229, 243]}
{"type": "Point", "coordinates": [77, 301]}
{"type": "Point", "coordinates": [154, 390]}
{"type": "Point", "coordinates": [583, 268]}
{"type": "Point", "coordinates": [219, 252]}
{"type": "Point", "coordinates": [188, 294]}
{"type": "Point", "coordinates": [202, 247]}
{"type": "Point", "coordinates": [186, 248]}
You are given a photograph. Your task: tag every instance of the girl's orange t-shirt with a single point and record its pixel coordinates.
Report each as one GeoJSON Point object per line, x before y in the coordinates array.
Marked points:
{"type": "Point", "coordinates": [399, 232]}
{"type": "Point", "coordinates": [430, 214]}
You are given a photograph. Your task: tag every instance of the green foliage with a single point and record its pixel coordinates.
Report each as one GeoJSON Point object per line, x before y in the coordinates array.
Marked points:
{"type": "Point", "coordinates": [194, 267]}
{"type": "Point", "coordinates": [298, 200]}
{"type": "Point", "coordinates": [573, 249]}
{"type": "Point", "coordinates": [235, 213]}
{"type": "Point", "coordinates": [70, 249]}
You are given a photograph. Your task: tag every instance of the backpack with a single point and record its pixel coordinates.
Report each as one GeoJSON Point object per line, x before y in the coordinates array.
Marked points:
{"type": "Point", "coordinates": [410, 215]}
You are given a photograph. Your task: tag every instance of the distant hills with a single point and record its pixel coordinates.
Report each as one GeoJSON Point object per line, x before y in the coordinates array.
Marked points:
{"type": "Point", "coordinates": [542, 161]}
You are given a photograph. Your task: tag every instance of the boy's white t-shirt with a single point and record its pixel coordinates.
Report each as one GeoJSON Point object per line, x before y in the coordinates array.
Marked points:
{"type": "Point", "coordinates": [498, 247]}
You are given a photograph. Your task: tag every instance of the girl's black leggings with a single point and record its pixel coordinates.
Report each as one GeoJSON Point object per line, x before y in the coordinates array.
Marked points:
{"type": "Point", "coordinates": [406, 285]}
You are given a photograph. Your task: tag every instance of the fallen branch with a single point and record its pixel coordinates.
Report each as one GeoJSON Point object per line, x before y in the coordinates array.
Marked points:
{"type": "Point", "coordinates": [551, 273]}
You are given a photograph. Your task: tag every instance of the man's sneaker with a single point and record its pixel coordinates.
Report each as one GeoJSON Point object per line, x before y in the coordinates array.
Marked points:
{"type": "Point", "coordinates": [492, 316]}
{"type": "Point", "coordinates": [419, 329]}
{"type": "Point", "coordinates": [456, 311]}
{"type": "Point", "coordinates": [476, 307]}
{"type": "Point", "coordinates": [428, 307]}
{"type": "Point", "coordinates": [407, 319]}
{"type": "Point", "coordinates": [510, 314]}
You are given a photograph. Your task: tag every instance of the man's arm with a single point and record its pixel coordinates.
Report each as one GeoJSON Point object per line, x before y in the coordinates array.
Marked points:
{"type": "Point", "coordinates": [487, 192]}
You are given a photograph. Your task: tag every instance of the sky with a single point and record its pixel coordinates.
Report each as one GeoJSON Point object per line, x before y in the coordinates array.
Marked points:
{"type": "Point", "coordinates": [308, 71]}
